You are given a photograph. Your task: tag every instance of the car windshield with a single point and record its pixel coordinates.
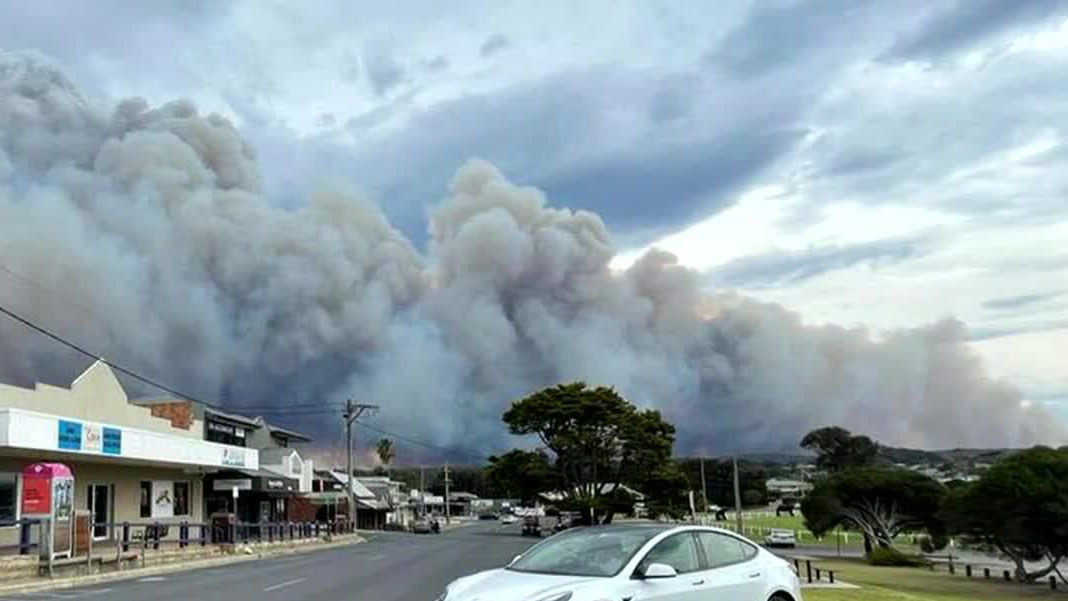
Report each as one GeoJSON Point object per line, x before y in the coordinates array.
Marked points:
{"type": "Point", "coordinates": [585, 552]}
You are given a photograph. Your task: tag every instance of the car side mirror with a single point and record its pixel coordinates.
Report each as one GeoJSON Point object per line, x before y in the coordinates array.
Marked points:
{"type": "Point", "coordinates": [656, 571]}
{"type": "Point", "coordinates": [514, 559]}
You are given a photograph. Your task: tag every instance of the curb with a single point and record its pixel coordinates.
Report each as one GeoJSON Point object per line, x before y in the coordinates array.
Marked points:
{"type": "Point", "coordinates": [133, 574]}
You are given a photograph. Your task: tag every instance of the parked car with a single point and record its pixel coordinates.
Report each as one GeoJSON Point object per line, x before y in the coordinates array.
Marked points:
{"type": "Point", "coordinates": [509, 519]}
{"type": "Point", "coordinates": [651, 560]}
{"type": "Point", "coordinates": [487, 516]}
{"type": "Point", "coordinates": [422, 526]}
{"type": "Point", "coordinates": [779, 537]}
{"type": "Point", "coordinates": [531, 526]}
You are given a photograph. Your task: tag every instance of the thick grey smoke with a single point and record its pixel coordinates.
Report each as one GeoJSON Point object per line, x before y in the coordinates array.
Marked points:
{"type": "Point", "coordinates": [143, 233]}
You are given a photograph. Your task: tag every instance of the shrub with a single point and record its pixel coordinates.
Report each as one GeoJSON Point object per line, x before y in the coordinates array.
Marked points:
{"type": "Point", "coordinates": [889, 556]}
{"type": "Point", "coordinates": [931, 543]}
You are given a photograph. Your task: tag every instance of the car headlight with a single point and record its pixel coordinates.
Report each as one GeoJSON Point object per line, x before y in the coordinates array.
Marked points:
{"type": "Point", "coordinates": [557, 597]}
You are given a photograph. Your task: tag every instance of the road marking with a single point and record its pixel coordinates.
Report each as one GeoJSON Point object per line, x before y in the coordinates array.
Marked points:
{"type": "Point", "coordinates": [151, 579]}
{"type": "Point", "coordinates": [374, 558]}
{"type": "Point", "coordinates": [283, 585]}
{"type": "Point", "coordinates": [94, 592]}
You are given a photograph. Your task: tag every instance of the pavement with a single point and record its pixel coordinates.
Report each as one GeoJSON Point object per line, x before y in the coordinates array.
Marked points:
{"type": "Point", "coordinates": [388, 566]}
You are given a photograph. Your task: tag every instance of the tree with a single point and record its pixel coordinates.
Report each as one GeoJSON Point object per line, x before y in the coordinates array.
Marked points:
{"type": "Point", "coordinates": [1020, 507]}
{"type": "Point", "coordinates": [719, 478]}
{"type": "Point", "coordinates": [520, 474]}
{"type": "Point", "coordinates": [599, 439]}
{"type": "Point", "coordinates": [837, 449]}
{"type": "Point", "coordinates": [386, 452]}
{"type": "Point", "coordinates": [879, 502]}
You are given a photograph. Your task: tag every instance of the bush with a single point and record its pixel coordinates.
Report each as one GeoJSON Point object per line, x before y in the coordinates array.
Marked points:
{"type": "Point", "coordinates": [931, 543]}
{"type": "Point", "coordinates": [752, 497]}
{"type": "Point", "coordinates": [889, 556]}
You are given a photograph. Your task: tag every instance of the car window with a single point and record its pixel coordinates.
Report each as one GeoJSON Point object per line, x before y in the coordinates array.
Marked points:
{"type": "Point", "coordinates": [677, 551]}
{"type": "Point", "coordinates": [723, 549]}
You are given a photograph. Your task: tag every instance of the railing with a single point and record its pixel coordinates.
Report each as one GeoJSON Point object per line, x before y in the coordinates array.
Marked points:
{"type": "Point", "coordinates": [26, 544]}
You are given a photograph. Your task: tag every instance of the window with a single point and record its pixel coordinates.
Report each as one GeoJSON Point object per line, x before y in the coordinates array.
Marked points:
{"type": "Point", "coordinates": [723, 549]}
{"type": "Point", "coordinates": [8, 496]}
{"type": "Point", "coordinates": [677, 551]}
{"type": "Point", "coordinates": [146, 499]}
{"type": "Point", "coordinates": [224, 434]}
{"type": "Point", "coordinates": [181, 498]}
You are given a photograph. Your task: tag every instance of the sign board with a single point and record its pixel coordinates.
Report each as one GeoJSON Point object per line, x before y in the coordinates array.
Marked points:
{"type": "Point", "coordinates": [275, 484]}
{"type": "Point", "coordinates": [162, 499]}
{"type": "Point", "coordinates": [236, 492]}
{"type": "Point", "coordinates": [233, 457]}
{"type": "Point", "coordinates": [88, 438]}
{"type": "Point", "coordinates": [37, 487]}
{"type": "Point", "coordinates": [234, 484]}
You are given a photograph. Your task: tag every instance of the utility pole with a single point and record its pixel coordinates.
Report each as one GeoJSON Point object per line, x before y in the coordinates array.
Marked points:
{"type": "Point", "coordinates": [422, 492]}
{"type": "Point", "coordinates": [353, 410]}
{"type": "Point", "coordinates": [737, 498]}
{"type": "Point", "coordinates": [447, 511]}
{"type": "Point", "coordinates": [704, 487]}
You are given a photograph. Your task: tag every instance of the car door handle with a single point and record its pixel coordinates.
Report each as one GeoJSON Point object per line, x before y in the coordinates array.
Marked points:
{"type": "Point", "coordinates": [755, 575]}
{"type": "Point", "coordinates": [697, 582]}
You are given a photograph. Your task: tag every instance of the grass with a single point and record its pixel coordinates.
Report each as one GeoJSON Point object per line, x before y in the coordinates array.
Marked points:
{"type": "Point", "coordinates": [756, 523]}
{"type": "Point", "coordinates": [919, 584]}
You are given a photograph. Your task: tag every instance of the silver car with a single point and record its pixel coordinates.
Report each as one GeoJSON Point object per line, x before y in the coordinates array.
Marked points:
{"type": "Point", "coordinates": [649, 562]}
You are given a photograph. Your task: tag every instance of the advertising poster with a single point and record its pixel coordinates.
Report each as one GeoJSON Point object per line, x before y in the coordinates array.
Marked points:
{"type": "Point", "coordinates": [162, 499]}
{"type": "Point", "coordinates": [36, 496]}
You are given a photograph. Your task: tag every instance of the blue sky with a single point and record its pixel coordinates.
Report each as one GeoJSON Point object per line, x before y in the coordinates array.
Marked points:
{"type": "Point", "coordinates": [876, 163]}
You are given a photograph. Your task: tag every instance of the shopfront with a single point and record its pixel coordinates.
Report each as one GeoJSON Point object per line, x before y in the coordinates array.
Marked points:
{"type": "Point", "coordinates": [262, 495]}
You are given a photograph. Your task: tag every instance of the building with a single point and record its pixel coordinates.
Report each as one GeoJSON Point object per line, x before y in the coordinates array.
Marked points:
{"type": "Point", "coordinates": [130, 462]}
{"type": "Point", "coordinates": [782, 487]}
{"type": "Point", "coordinates": [389, 493]}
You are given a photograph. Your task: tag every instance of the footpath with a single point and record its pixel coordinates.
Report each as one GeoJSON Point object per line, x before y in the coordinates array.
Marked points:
{"type": "Point", "coordinates": [178, 560]}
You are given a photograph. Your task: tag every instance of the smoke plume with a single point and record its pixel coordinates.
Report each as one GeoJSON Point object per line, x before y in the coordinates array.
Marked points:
{"type": "Point", "coordinates": [143, 233]}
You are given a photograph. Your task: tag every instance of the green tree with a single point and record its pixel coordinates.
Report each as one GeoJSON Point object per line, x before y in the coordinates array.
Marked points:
{"type": "Point", "coordinates": [1020, 507]}
{"type": "Point", "coordinates": [838, 449]}
{"type": "Point", "coordinates": [520, 474]}
{"type": "Point", "coordinates": [599, 439]}
{"type": "Point", "coordinates": [719, 478]}
{"type": "Point", "coordinates": [879, 502]}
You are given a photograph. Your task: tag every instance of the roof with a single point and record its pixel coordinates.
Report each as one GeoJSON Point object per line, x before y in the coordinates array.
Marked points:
{"type": "Point", "coordinates": [240, 420]}
{"type": "Point", "coordinates": [282, 432]}
{"type": "Point", "coordinates": [358, 488]}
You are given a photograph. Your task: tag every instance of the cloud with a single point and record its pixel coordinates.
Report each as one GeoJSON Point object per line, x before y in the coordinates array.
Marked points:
{"type": "Point", "coordinates": [438, 63]}
{"type": "Point", "coordinates": [1007, 303]}
{"type": "Point", "coordinates": [783, 268]}
{"type": "Point", "coordinates": [155, 219]}
{"type": "Point", "coordinates": [964, 24]}
{"type": "Point", "coordinates": [383, 70]}
{"type": "Point", "coordinates": [326, 120]}
{"type": "Point", "coordinates": [493, 44]}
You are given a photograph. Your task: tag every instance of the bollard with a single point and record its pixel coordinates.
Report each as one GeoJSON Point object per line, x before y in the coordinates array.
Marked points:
{"type": "Point", "coordinates": [1052, 583]}
{"type": "Point", "coordinates": [155, 536]}
{"type": "Point", "coordinates": [1008, 577]}
{"type": "Point", "coordinates": [986, 573]}
{"type": "Point", "coordinates": [317, 529]}
{"type": "Point", "coordinates": [183, 535]}
{"type": "Point", "coordinates": [830, 576]}
{"type": "Point", "coordinates": [817, 574]}
{"type": "Point", "coordinates": [125, 536]}
{"type": "Point", "coordinates": [24, 538]}
{"type": "Point", "coordinates": [808, 570]}
{"type": "Point", "coordinates": [203, 536]}
{"type": "Point", "coordinates": [270, 533]}
{"type": "Point", "coordinates": [952, 568]}
{"type": "Point", "coordinates": [797, 566]}
{"type": "Point", "coordinates": [968, 570]}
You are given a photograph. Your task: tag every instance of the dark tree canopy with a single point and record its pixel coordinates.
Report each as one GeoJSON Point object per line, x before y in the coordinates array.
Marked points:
{"type": "Point", "coordinates": [599, 439]}
{"type": "Point", "coordinates": [385, 450]}
{"type": "Point", "coordinates": [1019, 506]}
{"type": "Point", "coordinates": [879, 502]}
{"type": "Point", "coordinates": [520, 474]}
{"type": "Point", "coordinates": [838, 449]}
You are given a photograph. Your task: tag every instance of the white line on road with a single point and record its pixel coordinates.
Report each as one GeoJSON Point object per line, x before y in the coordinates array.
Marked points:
{"type": "Point", "coordinates": [151, 579]}
{"type": "Point", "coordinates": [283, 585]}
{"type": "Point", "coordinates": [375, 557]}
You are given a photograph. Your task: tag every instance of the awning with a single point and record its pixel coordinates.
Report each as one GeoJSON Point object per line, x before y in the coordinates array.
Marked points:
{"type": "Point", "coordinates": [253, 480]}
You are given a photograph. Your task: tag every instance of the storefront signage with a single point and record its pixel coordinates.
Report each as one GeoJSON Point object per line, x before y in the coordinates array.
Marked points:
{"type": "Point", "coordinates": [233, 484]}
{"type": "Point", "coordinates": [217, 427]}
{"type": "Point", "coordinates": [233, 457]}
{"type": "Point", "coordinates": [274, 484]}
{"type": "Point", "coordinates": [88, 438]}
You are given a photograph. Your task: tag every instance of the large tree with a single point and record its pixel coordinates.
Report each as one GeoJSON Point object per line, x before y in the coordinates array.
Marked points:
{"type": "Point", "coordinates": [520, 474]}
{"type": "Point", "coordinates": [599, 439]}
{"type": "Point", "coordinates": [838, 449]}
{"type": "Point", "coordinates": [879, 502]}
{"type": "Point", "coordinates": [1020, 507]}
{"type": "Point", "coordinates": [386, 452]}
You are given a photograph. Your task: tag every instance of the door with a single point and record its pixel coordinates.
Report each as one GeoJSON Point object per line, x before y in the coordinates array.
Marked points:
{"type": "Point", "coordinates": [731, 570]}
{"type": "Point", "coordinates": [100, 507]}
{"type": "Point", "coordinates": [680, 552]}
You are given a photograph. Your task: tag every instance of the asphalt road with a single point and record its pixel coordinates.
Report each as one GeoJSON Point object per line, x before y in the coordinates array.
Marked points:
{"type": "Point", "coordinates": [389, 567]}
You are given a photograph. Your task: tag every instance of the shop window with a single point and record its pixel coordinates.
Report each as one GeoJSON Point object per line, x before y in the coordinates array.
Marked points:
{"type": "Point", "coordinates": [146, 499]}
{"type": "Point", "coordinates": [181, 498]}
{"type": "Point", "coordinates": [8, 494]}
{"type": "Point", "coordinates": [225, 434]}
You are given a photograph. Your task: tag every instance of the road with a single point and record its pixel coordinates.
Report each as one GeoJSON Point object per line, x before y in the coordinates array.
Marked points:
{"type": "Point", "coordinates": [389, 567]}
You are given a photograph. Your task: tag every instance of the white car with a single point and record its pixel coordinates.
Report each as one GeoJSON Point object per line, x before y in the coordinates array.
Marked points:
{"type": "Point", "coordinates": [643, 562]}
{"type": "Point", "coordinates": [779, 537]}
{"type": "Point", "coordinates": [509, 519]}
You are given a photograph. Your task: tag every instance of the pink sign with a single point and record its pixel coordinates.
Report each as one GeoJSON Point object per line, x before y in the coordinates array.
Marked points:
{"type": "Point", "coordinates": [37, 480]}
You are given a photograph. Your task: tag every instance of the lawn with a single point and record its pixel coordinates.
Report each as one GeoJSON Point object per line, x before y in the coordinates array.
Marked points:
{"type": "Point", "coordinates": [755, 525]}
{"type": "Point", "coordinates": [918, 584]}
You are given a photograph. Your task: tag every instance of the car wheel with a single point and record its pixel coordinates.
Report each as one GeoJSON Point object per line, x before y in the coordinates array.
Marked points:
{"type": "Point", "coordinates": [779, 597]}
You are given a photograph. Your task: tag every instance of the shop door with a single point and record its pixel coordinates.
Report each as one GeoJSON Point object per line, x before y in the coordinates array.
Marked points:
{"type": "Point", "coordinates": [100, 507]}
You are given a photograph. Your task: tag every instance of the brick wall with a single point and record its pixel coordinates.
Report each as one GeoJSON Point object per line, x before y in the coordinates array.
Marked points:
{"type": "Point", "coordinates": [180, 413]}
